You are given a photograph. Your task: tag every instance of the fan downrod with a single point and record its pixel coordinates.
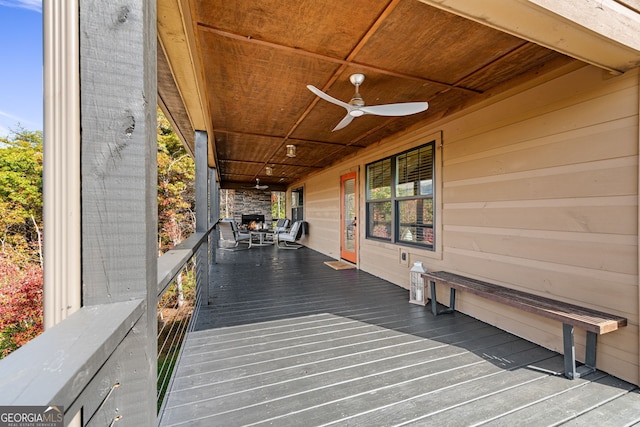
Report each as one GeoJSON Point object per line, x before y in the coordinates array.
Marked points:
{"type": "Point", "coordinates": [356, 99]}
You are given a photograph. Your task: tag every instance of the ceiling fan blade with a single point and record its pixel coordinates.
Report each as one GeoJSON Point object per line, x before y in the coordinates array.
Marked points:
{"type": "Point", "coordinates": [402, 109]}
{"type": "Point", "coordinates": [344, 122]}
{"type": "Point", "coordinates": [329, 98]}
{"type": "Point", "coordinates": [358, 109]}
{"type": "Point", "coordinates": [258, 186]}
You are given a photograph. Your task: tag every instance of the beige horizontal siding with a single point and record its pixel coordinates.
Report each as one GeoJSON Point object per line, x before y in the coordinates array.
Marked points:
{"type": "Point", "coordinates": [552, 108]}
{"type": "Point", "coordinates": [546, 201]}
{"type": "Point", "coordinates": [382, 260]}
{"type": "Point", "coordinates": [588, 214]}
{"type": "Point", "coordinates": [605, 252]}
{"type": "Point", "coordinates": [614, 140]}
{"type": "Point", "coordinates": [597, 289]}
{"type": "Point", "coordinates": [322, 212]}
{"type": "Point", "coordinates": [595, 179]}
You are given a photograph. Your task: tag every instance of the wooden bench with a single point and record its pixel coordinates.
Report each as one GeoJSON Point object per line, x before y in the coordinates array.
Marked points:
{"type": "Point", "coordinates": [594, 322]}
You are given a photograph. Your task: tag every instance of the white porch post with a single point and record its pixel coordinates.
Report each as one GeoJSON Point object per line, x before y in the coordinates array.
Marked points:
{"type": "Point", "coordinates": [119, 192]}
{"type": "Point", "coordinates": [61, 167]}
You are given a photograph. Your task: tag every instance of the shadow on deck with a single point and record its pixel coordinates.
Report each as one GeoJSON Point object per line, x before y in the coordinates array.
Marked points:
{"type": "Point", "coordinates": [288, 341]}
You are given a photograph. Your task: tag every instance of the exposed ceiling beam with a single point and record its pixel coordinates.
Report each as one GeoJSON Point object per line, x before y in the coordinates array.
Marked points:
{"type": "Point", "coordinates": [605, 33]}
{"type": "Point", "coordinates": [239, 133]}
{"type": "Point", "coordinates": [178, 46]}
{"type": "Point", "coordinates": [346, 62]}
{"type": "Point", "coordinates": [177, 39]}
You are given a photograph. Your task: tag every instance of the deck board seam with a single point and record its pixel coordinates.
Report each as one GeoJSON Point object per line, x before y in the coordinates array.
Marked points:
{"type": "Point", "coordinates": [345, 368]}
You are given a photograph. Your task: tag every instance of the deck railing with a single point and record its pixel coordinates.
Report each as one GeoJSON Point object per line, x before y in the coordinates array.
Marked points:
{"type": "Point", "coordinates": [70, 364]}
{"type": "Point", "coordinates": [172, 329]}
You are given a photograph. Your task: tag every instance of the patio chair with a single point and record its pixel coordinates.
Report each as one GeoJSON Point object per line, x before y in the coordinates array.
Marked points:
{"type": "Point", "coordinates": [289, 238]}
{"type": "Point", "coordinates": [282, 226]}
{"type": "Point", "coordinates": [240, 236]}
{"type": "Point", "coordinates": [229, 232]}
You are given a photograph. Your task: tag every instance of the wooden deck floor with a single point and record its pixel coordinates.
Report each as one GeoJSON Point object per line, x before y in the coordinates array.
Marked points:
{"type": "Point", "coordinates": [288, 341]}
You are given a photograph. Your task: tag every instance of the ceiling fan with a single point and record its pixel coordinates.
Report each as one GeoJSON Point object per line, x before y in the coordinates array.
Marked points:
{"type": "Point", "coordinates": [356, 107]}
{"type": "Point", "coordinates": [258, 186]}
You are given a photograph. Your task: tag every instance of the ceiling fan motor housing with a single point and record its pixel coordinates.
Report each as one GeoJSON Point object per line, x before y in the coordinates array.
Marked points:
{"type": "Point", "coordinates": [356, 79]}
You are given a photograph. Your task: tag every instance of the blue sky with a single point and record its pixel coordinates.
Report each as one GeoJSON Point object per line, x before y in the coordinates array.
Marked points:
{"type": "Point", "coordinates": [21, 68]}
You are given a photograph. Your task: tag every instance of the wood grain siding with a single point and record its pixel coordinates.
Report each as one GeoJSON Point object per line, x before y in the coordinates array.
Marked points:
{"type": "Point", "coordinates": [539, 192]}
{"type": "Point", "coordinates": [322, 212]}
{"type": "Point", "coordinates": [591, 214]}
{"type": "Point", "coordinates": [545, 199]}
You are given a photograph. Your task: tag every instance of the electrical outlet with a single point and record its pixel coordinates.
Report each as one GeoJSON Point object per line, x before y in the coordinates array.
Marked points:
{"type": "Point", "coordinates": [403, 257]}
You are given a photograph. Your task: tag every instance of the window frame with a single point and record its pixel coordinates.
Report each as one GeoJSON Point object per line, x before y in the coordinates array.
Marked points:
{"type": "Point", "coordinates": [297, 204]}
{"type": "Point", "coordinates": [370, 202]}
{"type": "Point", "coordinates": [396, 200]}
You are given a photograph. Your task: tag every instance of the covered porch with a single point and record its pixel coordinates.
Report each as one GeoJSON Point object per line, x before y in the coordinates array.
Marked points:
{"type": "Point", "coordinates": [287, 340]}
{"type": "Point", "coordinates": [534, 147]}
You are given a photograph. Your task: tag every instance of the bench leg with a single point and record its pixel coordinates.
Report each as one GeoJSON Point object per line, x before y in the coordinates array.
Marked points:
{"type": "Point", "coordinates": [590, 356]}
{"type": "Point", "coordinates": [452, 301]}
{"type": "Point", "coordinates": [569, 352]}
{"type": "Point", "coordinates": [434, 300]}
{"type": "Point", "coordinates": [570, 370]}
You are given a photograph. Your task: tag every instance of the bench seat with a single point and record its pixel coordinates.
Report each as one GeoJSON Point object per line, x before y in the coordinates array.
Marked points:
{"type": "Point", "coordinates": [570, 315]}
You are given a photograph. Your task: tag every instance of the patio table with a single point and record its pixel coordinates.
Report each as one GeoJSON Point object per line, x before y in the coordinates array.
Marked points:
{"type": "Point", "coordinates": [261, 236]}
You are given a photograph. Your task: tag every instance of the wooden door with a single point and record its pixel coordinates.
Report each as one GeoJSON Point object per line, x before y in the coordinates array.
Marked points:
{"type": "Point", "coordinates": [348, 219]}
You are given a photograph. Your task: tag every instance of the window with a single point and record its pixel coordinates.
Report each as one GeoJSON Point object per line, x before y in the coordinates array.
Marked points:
{"type": "Point", "coordinates": [400, 198]}
{"type": "Point", "coordinates": [379, 199]}
{"type": "Point", "coordinates": [297, 205]}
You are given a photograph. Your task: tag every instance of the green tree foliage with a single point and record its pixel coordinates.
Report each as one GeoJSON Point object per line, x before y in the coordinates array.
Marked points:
{"type": "Point", "coordinates": [176, 221]}
{"type": "Point", "coordinates": [21, 223]}
{"type": "Point", "coordinates": [20, 239]}
{"type": "Point", "coordinates": [278, 204]}
{"type": "Point", "coordinates": [176, 193]}
{"type": "Point", "coordinates": [21, 196]}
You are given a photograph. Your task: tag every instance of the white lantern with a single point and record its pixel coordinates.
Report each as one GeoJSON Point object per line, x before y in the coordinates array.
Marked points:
{"type": "Point", "coordinates": [417, 291]}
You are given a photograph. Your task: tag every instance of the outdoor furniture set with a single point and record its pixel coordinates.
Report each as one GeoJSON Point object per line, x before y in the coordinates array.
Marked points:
{"type": "Point", "coordinates": [283, 236]}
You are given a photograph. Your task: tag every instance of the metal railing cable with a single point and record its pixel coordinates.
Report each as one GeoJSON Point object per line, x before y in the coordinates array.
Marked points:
{"type": "Point", "coordinates": [180, 293]}
{"type": "Point", "coordinates": [199, 300]}
{"type": "Point", "coordinates": [174, 314]}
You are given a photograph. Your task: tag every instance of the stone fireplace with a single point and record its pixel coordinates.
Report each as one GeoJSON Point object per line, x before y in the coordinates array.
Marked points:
{"type": "Point", "coordinates": [246, 203]}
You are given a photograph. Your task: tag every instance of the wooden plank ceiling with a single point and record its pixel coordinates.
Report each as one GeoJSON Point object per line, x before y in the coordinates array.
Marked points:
{"type": "Point", "coordinates": [258, 56]}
